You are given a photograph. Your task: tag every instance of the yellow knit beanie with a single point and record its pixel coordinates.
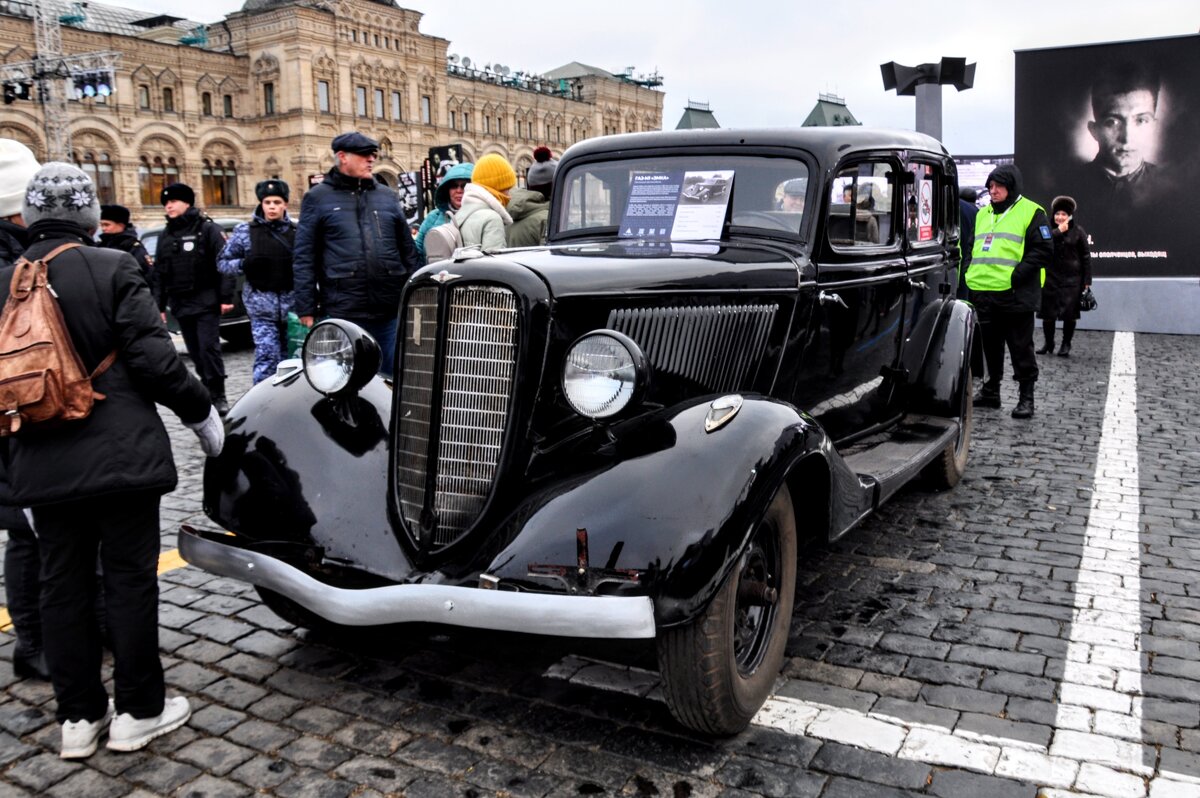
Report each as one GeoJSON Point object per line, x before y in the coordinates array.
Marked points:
{"type": "Point", "coordinates": [495, 174]}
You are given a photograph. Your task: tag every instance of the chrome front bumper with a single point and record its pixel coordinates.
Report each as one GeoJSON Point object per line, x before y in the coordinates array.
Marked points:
{"type": "Point", "coordinates": [501, 610]}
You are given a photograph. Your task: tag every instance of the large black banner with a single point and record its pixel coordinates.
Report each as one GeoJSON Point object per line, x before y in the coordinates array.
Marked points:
{"type": "Point", "coordinates": [1117, 127]}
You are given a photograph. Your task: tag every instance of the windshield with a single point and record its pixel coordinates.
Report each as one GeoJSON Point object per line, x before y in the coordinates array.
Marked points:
{"type": "Point", "coordinates": [756, 192]}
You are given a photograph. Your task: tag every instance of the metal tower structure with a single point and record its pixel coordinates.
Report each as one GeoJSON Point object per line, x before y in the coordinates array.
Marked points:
{"type": "Point", "coordinates": [50, 70]}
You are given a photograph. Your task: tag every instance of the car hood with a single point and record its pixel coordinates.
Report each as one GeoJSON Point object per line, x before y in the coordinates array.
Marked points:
{"type": "Point", "coordinates": [634, 267]}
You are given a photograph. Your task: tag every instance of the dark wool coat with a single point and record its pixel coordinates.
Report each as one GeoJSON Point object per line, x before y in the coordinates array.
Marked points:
{"type": "Point", "coordinates": [122, 446]}
{"type": "Point", "coordinates": [12, 242]}
{"type": "Point", "coordinates": [354, 251]}
{"type": "Point", "coordinates": [1069, 272]}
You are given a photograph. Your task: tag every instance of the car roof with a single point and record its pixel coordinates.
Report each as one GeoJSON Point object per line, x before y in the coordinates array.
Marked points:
{"type": "Point", "coordinates": [829, 144]}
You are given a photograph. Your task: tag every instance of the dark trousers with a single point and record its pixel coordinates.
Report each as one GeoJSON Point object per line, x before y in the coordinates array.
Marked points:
{"type": "Point", "coordinates": [124, 529]}
{"type": "Point", "coordinates": [1068, 330]}
{"type": "Point", "coordinates": [1016, 331]}
{"type": "Point", "coordinates": [202, 337]}
{"type": "Point", "coordinates": [384, 333]}
{"type": "Point", "coordinates": [21, 584]}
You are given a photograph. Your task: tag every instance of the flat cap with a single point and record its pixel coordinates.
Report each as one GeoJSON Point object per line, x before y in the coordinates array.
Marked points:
{"type": "Point", "coordinates": [354, 142]}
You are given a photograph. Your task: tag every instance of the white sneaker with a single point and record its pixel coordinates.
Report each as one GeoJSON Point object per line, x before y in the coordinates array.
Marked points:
{"type": "Point", "coordinates": [128, 733]}
{"type": "Point", "coordinates": [80, 737]}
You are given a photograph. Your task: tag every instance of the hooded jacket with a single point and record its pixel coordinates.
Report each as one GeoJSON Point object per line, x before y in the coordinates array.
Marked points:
{"type": "Point", "coordinates": [530, 211]}
{"type": "Point", "coordinates": [1025, 293]}
{"type": "Point", "coordinates": [482, 219]}
{"type": "Point", "coordinates": [122, 446]}
{"type": "Point", "coordinates": [441, 198]}
{"type": "Point", "coordinates": [354, 251]}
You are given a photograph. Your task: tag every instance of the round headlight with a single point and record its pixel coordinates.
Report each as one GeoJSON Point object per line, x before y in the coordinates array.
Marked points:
{"type": "Point", "coordinates": [603, 373]}
{"type": "Point", "coordinates": [339, 356]}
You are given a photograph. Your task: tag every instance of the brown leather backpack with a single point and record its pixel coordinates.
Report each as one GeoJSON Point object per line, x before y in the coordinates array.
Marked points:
{"type": "Point", "coordinates": [42, 380]}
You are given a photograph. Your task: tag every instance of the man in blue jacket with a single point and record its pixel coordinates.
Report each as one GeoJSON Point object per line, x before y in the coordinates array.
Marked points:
{"type": "Point", "coordinates": [354, 250]}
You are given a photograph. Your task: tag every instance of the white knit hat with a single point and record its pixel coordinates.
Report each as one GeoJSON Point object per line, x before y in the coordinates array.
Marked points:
{"type": "Point", "coordinates": [17, 167]}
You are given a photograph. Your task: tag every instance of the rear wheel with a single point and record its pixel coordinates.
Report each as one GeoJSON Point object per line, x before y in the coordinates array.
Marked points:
{"type": "Point", "coordinates": [949, 466]}
{"type": "Point", "coordinates": [719, 669]}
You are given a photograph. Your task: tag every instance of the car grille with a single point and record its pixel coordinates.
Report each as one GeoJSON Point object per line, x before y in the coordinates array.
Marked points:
{"type": "Point", "coordinates": [719, 347]}
{"type": "Point", "coordinates": [453, 413]}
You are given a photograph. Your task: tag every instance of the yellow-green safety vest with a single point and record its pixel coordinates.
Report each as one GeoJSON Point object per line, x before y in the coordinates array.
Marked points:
{"type": "Point", "coordinates": [1000, 245]}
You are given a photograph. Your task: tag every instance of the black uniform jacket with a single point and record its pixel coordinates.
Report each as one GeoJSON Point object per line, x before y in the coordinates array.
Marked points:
{"type": "Point", "coordinates": [122, 446]}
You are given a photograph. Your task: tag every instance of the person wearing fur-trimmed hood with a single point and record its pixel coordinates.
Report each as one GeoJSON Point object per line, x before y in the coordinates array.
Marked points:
{"type": "Point", "coordinates": [483, 218]}
{"type": "Point", "coordinates": [1070, 273]}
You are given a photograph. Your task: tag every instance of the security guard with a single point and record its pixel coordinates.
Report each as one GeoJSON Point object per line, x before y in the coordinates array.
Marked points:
{"type": "Point", "coordinates": [1008, 268]}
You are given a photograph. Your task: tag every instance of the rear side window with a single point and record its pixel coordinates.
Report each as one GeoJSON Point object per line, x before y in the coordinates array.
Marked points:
{"type": "Point", "coordinates": [925, 199]}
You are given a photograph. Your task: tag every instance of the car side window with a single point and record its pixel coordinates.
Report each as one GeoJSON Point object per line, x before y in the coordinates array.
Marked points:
{"type": "Point", "coordinates": [860, 206]}
{"type": "Point", "coordinates": [924, 204]}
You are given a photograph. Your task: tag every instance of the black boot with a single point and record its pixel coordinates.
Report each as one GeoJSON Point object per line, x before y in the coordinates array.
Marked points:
{"type": "Point", "coordinates": [1047, 347]}
{"type": "Point", "coordinates": [1024, 408]}
{"type": "Point", "coordinates": [988, 396]}
{"type": "Point", "coordinates": [1068, 334]}
{"type": "Point", "coordinates": [216, 390]}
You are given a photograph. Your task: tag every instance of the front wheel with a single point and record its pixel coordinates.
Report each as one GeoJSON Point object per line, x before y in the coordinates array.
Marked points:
{"type": "Point", "coordinates": [719, 669]}
{"type": "Point", "coordinates": [951, 463]}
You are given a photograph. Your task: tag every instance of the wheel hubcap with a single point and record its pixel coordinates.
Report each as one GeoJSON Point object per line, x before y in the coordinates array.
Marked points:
{"type": "Point", "coordinates": [757, 597]}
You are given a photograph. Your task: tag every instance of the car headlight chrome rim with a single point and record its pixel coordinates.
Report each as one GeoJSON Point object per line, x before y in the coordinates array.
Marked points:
{"type": "Point", "coordinates": [339, 357]}
{"type": "Point", "coordinates": [604, 373]}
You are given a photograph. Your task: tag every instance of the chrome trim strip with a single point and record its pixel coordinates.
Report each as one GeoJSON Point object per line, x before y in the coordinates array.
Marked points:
{"type": "Point", "coordinates": [501, 610]}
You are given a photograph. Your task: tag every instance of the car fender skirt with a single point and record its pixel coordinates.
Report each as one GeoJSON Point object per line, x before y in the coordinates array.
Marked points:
{"type": "Point", "coordinates": [500, 610]}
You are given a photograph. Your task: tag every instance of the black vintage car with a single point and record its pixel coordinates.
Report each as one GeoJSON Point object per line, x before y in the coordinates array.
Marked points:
{"type": "Point", "coordinates": [621, 437]}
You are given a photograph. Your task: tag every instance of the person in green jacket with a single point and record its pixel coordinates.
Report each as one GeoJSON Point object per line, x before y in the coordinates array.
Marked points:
{"type": "Point", "coordinates": [530, 208]}
{"type": "Point", "coordinates": [1008, 269]}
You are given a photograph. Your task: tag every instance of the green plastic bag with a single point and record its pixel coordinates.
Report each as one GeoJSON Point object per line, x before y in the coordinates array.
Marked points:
{"type": "Point", "coordinates": [296, 333]}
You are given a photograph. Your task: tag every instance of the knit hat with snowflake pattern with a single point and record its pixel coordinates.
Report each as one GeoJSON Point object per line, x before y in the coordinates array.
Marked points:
{"type": "Point", "coordinates": [62, 191]}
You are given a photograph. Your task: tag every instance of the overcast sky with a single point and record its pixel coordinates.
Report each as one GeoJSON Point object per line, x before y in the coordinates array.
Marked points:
{"type": "Point", "coordinates": [764, 63]}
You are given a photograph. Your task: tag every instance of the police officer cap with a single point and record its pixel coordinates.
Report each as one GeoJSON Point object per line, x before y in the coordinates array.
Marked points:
{"type": "Point", "coordinates": [272, 188]}
{"type": "Point", "coordinates": [797, 186]}
{"type": "Point", "coordinates": [355, 142]}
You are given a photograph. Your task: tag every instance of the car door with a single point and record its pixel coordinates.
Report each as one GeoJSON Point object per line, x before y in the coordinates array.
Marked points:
{"type": "Point", "coordinates": [930, 225]}
{"type": "Point", "coordinates": [849, 375]}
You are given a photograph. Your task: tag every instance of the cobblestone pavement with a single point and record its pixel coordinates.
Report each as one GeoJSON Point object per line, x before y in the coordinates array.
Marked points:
{"type": "Point", "coordinates": [1037, 629]}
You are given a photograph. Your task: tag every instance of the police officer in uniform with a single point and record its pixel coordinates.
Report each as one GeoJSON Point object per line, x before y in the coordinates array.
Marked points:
{"type": "Point", "coordinates": [262, 250]}
{"type": "Point", "coordinates": [1008, 269]}
{"type": "Point", "coordinates": [186, 279]}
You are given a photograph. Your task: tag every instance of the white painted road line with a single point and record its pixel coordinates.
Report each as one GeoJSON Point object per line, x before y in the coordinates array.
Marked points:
{"type": "Point", "coordinates": [1100, 688]}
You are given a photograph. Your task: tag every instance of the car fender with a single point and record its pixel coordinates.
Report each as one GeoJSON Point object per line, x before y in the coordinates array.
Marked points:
{"type": "Point", "coordinates": [305, 469]}
{"type": "Point", "coordinates": [943, 382]}
{"type": "Point", "coordinates": [671, 522]}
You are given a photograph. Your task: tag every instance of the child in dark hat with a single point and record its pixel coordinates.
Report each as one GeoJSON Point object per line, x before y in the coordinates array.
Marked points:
{"type": "Point", "coordinates": [262, 250]}
{"type": "Point", "coordinates": [116, 232]}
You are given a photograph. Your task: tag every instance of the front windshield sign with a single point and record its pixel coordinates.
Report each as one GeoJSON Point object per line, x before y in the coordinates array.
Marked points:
{"type": "Point", "coordinates": [685, 198]}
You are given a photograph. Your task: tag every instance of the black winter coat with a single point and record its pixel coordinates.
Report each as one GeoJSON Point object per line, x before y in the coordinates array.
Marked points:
{"type": "Point", "coordinates": [354, 250]}
{"type": "Point", "coordinates": [13, 240]}
{"type": "Point", "coordinates": [185, 275]}
{"type": "Point", "coordinates": [127, 241]}
{"type": "Point", "coordinates": [122, 446]}
{"type": "Point", "coordinates": [1069, 272]}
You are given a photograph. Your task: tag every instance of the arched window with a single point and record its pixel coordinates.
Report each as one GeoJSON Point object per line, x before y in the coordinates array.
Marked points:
{"type": "Point", "coordinates": [206, 103]}
{"type": "Point", "coordinates": [144, 187]}
{"type": "Point", "coordinates": [219, 183]}
{"type": "Point", "coordinates": [168, 95]}
{"type": "Point", "coordinates": [100, 170]}
{"type": "Point", "coordinates": [144, 97]}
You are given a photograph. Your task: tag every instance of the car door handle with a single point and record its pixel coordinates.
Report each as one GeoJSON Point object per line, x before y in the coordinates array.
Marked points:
{"type": "Point", "coordinates": [917, 284]}
{"type": "Point", "coordinates": [825, 298]}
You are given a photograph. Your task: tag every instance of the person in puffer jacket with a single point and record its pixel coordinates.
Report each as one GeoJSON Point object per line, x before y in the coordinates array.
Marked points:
{"type": "Point", "coordinates": [482, 217]}
{"type": "Point", "coordinates": [262, 250]}
{"type": "Point", "coordinates": [448, 198]}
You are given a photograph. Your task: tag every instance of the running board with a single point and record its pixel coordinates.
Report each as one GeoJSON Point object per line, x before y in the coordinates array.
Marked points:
{"type": "Point", "coordinates": [892, 459]}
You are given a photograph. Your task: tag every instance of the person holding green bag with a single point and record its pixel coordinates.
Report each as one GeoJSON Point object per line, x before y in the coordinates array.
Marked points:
{"type": "Point", "coordinates": [262, 250]}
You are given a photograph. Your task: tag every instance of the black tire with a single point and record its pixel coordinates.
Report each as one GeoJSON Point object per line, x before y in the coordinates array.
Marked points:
{"type": "Point", "coordinates": [294, 614]}
{"type": "Point", "coordinates": [719, 669]}
{"type": "Point", "coordinates": [948, 467]}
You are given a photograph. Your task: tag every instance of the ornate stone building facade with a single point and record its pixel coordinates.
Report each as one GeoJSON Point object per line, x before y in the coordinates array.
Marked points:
{"type": "Point", "coordinates": [262, 93]}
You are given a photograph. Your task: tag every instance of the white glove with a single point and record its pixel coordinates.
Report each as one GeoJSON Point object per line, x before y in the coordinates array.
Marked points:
{"type": "Point", "coordinates": [211, 432]}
